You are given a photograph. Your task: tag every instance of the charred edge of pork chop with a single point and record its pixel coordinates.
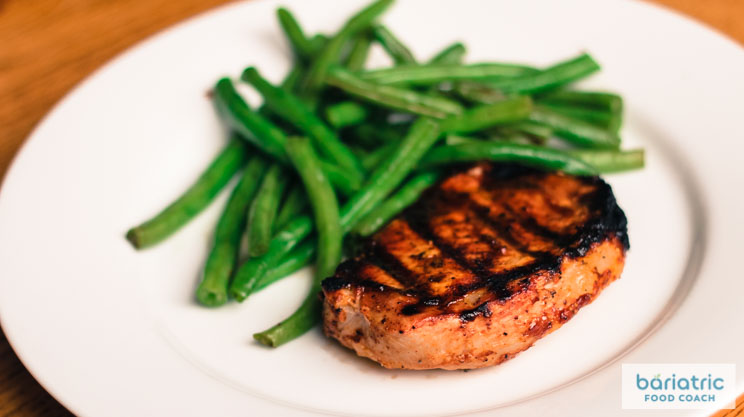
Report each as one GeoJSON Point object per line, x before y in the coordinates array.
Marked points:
{"type": "Point", "coordinates": [485, 264]}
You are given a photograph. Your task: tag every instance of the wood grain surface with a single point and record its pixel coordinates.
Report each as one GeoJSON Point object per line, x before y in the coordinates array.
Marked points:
{"type": "Point", "coordinates": [48, 46]}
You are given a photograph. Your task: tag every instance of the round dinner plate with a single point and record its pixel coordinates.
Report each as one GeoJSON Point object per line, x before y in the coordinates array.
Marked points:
{"type": "Point", "coordinates": [110, 331]}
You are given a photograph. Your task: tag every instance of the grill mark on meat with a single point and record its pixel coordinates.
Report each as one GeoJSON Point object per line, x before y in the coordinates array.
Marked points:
{"type": "Point", "coordinates": [423, 259]}
{"type": "Point", "coordinates": [521, 227]}
{"type": "Point", "coordinates": [380, 256]}
{"type": "Point", "coordinates": [505, 230]}
{"type": "Point", "coordinates": [513, 230]}
{"type": "Point", "coordinates": [420, 222]}
{"type": "Point", "coordinates": [492, 249]}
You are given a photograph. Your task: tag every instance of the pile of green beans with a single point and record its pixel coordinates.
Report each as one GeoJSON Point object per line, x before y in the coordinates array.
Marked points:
{"type": "Point", "coordinates": [339, 149]}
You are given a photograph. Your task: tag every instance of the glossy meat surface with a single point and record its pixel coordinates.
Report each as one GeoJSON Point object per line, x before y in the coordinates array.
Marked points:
{"type": "Point", "coordinates": [485, 264]}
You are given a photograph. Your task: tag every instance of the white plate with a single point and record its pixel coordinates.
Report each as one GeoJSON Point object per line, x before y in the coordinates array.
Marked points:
{"type": "Point", "coordinates": [109, 331]}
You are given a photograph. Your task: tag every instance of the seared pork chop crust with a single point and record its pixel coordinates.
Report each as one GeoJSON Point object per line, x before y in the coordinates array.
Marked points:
{"type": "Point", "coordinates": [483, 265]}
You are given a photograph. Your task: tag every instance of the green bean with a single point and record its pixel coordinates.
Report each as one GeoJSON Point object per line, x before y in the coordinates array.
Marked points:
{"type": "Point", "coordinates": [391, 172]}
{"type": "Point", "coordinates": [498, 136]}
{"type": "Point", "coordinates": [299, 43]}
{"type": "Point", "coordinates": [295, 260]}
{"type": "Point", "coordinates": [375, 158]}
{"type": "Point", "coordinates": [525, 131]}
{"type": "Point", "coordinates": [393, 46]}
{"type": "Point", "coordinates": [428, 74]}
{"type": "Point", "coordinates": [324, 204]}
{"type": "Point", "coordinates": [453, 54]}
{"type": "Point", "coordinates": [194, 200]}
{"type": "Point", "coordinates": [404, 197]}
{"type": "Point", "coordinates": [451, 139]}
{"type": "Point", "coordinates": [359, 52]}
{"type": "Point", "coordinates": [331, 52]}
{"type": "Point", "coordinates": [293, 205]}
{"type": "Point", "coordinates": [386, 177]}
{"type": "Point", "coordinates": [344, 183]}
{"type": "Point", "coordinates": [592, 99]}
{"type": "Point", "coordinates": [408, 101]}
{"type": "Point", "coordinates": [535, 130]}
{"type": "Point", "coordinates": [611, 161]}
{"type": "Point", "coordinates": [294, 111]}
{"type": "Point", "coordinates": [325, 210]}
{"type": "Point", "coordinates": [536, 156]}
{"type": "Point", "coordinates": [317, 42]}
{"type": "Point", "coordinates": [346, 113]}
{"type": "Point", "coordinates": [251, 126]}
{"type": "Point", "coordinates": [422, 136]}
{"type": "Point", "coordinates": [478, 92]}
{"type": "Point", "coordinates": [488, 115]}
{"type": "Point", "coordinates": [253, 270]}
{"type": "Point", "coordinates": [575, 131]}
{"type": "Point", "coordinates": [560, 74]}
{"type": "Point", "coordinates": [265, 135]}
{"type": "Point", "coordinates": [263, 210]}
{"type": "Point", "coordinates": [292, 78]}
{"type": "Point", "coordinates": [289, 83]}
{"type": "Point", "coordinates": [373, 135]}
{"type": "Point", "coordinates": [212, 290]}
{"type": "Point", "coordinates": [507, 135]}
{"type": "Point", "coordinates": [599, 118]}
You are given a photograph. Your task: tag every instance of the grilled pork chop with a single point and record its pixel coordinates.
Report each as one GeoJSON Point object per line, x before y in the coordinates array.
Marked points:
{"type": "Point", "coordinates": [482, 266]}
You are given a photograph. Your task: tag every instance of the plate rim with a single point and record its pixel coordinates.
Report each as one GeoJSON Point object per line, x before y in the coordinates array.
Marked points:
{"type": "Point", "coordinates": [679, 294]}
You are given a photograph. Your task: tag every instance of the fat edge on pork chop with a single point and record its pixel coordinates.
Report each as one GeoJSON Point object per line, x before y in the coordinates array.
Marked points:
{"type": "Point", "coordinates": [486, 263]}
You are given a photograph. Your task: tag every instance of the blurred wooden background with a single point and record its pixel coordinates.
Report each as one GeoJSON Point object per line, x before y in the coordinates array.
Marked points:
{"type": "Point", "coordinates": [48, 46]}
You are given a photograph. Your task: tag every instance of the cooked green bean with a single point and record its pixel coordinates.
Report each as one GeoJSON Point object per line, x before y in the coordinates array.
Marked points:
{"type": "Point", "coordinates": [391, 172]}
{"type": "Point", "coordinates": [533, 129]}
{"type": "Point", "coordinates": [404, 197]}
{"type": "Point", "coordinates": [386, 177]}
{"type": "Point", "coordinates": [478, 92]}
{"type": "Point", "coordinates": [253, 270]}
{"type": "Point", "coordinates": [577, 132]}
{"type": "Point", "coordinates": [249, 124]}
{"type": "Point", "coordinates": [295, 260]}
{"type": "Point", "coordinates": [375, 157]}
{"type": "Point", "coordinates": [481, 117]}
{"type": "Point", "coordinates": [331, 52]}
{"type": "Point", "coordinates": [292, 109]}
{"type": "Point", "coordinates": [292, 78]}
{"type": "Point", "coordinates": [450, 55]}
{"type": "Point", "coordinates": [359, 52]}
{"type": "Point", "coordinates": [299, 43]}
{"type": "Point", "coordinates": [265, 135]}
{"type": "Point", "coordinates": [346, 113]}
{"type": "Point", "coordinates": [555, 76]}
{"type": "Point", "coordinates": [372, 135]}
{"type": "Point", "coordinates": [194, 200]}
{"type": "Point", "coordinates": [393, 46]}
{"type": "Point", "coordinates": [212, 290]}
{"type": "Point", "coordinates": [428, 74]}
{"type": "Point", "coordinates": [536, 156]}
{"type": "Point", "coordinates": [317, 42]}
{"type": "Point", "coordinates": [611, 161]}
{"type": "Point", "coordinates": [263, 210]}
{"type": "Point", "coordinates": [325, 211]}
{"type": "Point", "coordinates": [592, 99]}
{"type": "Point", "coordinates": [525, 131]}
{"type": "Point", "coordinates": [293, 205]}
{"type": "Point", "coordinates": [344, 183]}
{"type": "Point", "coordinates": [599, 118]}
{"type": "Point", "coordinates": [421, 137]}
{"type": "Point", "coordinates": [451, 139]}
{"type": "Point", "coordinates": [405, 100]}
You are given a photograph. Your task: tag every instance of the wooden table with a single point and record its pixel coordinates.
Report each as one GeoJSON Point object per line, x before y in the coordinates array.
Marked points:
{"type": "Point", "coordinates": [48, 46]}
